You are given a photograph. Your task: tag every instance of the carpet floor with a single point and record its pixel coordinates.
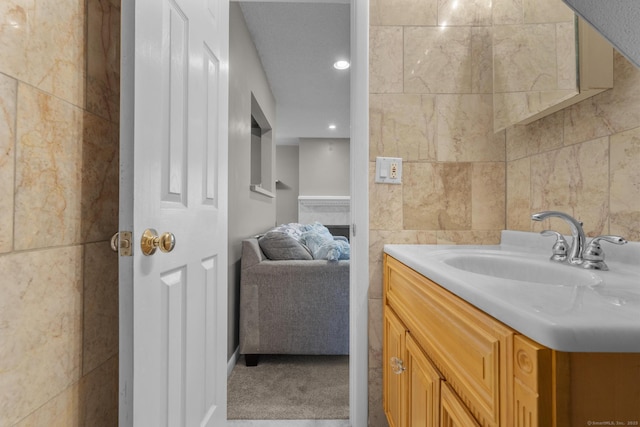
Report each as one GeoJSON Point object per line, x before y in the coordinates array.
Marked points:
{"type": "Point", "coordinates": [285, 387]}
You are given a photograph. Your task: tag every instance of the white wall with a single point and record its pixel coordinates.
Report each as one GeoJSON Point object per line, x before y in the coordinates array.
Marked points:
{"type": "Point", "coordinates": [249, 212]}
{"type": "Point", "coordinates": [287, 190]}
{"type": "Point", "coordinates": [324, 167]}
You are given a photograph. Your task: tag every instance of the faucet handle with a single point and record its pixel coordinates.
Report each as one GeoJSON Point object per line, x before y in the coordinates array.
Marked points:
{"type": "Point", "coordinates": [594, 255]}
{"type": "Point", "coordinates": [560, 247]}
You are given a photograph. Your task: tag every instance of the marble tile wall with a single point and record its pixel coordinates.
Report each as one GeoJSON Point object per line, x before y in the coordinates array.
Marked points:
{"type": "Point", "coordinates": [534, 58]}
{"type": "Point", "coordinates": [583, 160]}
{"type": "Point", "coordinates": [59, 96]}
{"type": "Point", "coordinates": [431, 104]}
{"type": "Point", "coordinates": [431, 85]}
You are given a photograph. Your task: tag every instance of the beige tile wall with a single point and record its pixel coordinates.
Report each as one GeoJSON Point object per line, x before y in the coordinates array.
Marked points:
{"type": "Point", "coordinates": [431, 84]}
{"type": "Point", "coordinates": [58, 159]}
{"type": "Point", "coordinates": [544, 30]}
{"type": "Point", "coordinates": [59, 96]}
{"type": "Point", "coordinates": [584, 160]}
{"type": "Point", "coordinates": [430, 103]}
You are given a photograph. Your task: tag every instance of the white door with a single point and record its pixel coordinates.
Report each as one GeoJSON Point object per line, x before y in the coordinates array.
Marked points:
{"type": "Point", "coordinates": [174, 120]}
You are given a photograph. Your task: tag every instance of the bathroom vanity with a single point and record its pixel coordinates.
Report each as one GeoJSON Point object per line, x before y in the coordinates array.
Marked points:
{"type": "Point", "coordinates": [469, 348]}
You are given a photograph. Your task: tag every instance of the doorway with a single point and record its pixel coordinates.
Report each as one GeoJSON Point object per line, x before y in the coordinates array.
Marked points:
{"type": "Point", "coordinates": [356, 127]}
{"type": "Point", "coordinates": [359, 213]}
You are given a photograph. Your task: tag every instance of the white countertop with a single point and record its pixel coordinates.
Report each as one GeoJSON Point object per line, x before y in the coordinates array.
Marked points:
{"type": "Point", "coordinates": [601, 316]}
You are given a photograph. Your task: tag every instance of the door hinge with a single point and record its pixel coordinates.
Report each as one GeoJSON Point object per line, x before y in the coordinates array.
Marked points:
{"type": "Point", "coordinates": [353, 230]}
{"type": "Point", "coordinates": [121, 242]}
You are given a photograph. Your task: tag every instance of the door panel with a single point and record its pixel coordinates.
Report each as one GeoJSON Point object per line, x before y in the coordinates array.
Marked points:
{"type": "Point", "coordinates": [177, 110]}
{"type": "Point", "coordinates": [212, 70]}
{"type": "Point", "coordinates": [424, 388]}
{"type": "Point", "coordinates": [210, 298]}
{"type": "Point", "coordinates": [178, 320]}
{"type": "Point", "coordinates": [393, 374]}
{"type": "Point", "coordinates": [172, 338]}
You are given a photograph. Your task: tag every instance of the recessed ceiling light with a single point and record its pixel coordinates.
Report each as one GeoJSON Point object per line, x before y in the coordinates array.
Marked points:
{"type": "Point", "coordinates": [341, 65]}
{"type": "Point", "coordinates": [332, 127]}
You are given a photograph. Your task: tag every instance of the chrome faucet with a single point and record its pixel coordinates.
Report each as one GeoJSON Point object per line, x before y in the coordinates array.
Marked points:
{"type": "Point", "coordinates": [579, 239]}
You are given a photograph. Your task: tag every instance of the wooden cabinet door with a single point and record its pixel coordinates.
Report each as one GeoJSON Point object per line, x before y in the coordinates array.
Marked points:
{"type": "Point", "coordinates": [453, 413]}
{"type": "Point", "coordinates": [468, 347]}
{"type": "Point", "coordinates": [394, 369]}
{"type": "Point", "coordinates": [423, 388]}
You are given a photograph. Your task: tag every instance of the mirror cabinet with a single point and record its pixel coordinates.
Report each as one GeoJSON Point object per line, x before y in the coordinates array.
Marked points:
{"type": "Point", "coordinates": [545, 58]}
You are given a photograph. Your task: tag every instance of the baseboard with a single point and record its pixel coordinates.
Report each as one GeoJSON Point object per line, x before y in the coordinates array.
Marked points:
{"type": "Point", "coordinates": [232, 361]}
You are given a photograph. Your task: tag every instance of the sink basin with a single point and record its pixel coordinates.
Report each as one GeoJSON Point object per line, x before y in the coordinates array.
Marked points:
{"type": "Point", "coordinates": [563, 307]}
{"type": "Point", "coordinates": [521, 269]}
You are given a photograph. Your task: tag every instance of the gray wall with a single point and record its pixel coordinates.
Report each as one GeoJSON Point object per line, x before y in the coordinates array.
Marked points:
{"type": "Point", "coordinates": [287, 190]}
{"type": "Point", "coordinates": [249, 213]}
{"type": "Point", "coordinates": [324, 167]}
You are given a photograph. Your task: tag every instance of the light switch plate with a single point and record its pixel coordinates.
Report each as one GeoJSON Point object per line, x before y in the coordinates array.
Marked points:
{"type": "Point", "coordinates": [388, 170]}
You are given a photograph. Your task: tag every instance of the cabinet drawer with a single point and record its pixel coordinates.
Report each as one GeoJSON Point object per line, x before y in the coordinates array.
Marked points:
{"type": "Point", "coordinates": [463, 343]}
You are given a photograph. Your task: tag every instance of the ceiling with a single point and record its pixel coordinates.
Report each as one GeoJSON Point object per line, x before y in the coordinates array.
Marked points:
{"type": "Point", "coordinates": [298, 43]}
{"type": "Point", "coordinates": [616, 21]}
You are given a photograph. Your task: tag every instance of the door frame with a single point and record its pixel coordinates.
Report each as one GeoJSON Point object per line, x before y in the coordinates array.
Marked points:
{"type": "Point", "coordinates": [359, 170]}
{"type": "Point", "coordinates": [125, 216]}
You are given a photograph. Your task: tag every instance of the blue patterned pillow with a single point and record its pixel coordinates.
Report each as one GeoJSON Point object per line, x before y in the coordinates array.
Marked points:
{"type": "Point", "coordinates": [323, 245]}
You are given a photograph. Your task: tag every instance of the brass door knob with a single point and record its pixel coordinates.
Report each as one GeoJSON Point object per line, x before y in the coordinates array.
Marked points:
{"type": "Point", "coordinates": [150, 241]}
